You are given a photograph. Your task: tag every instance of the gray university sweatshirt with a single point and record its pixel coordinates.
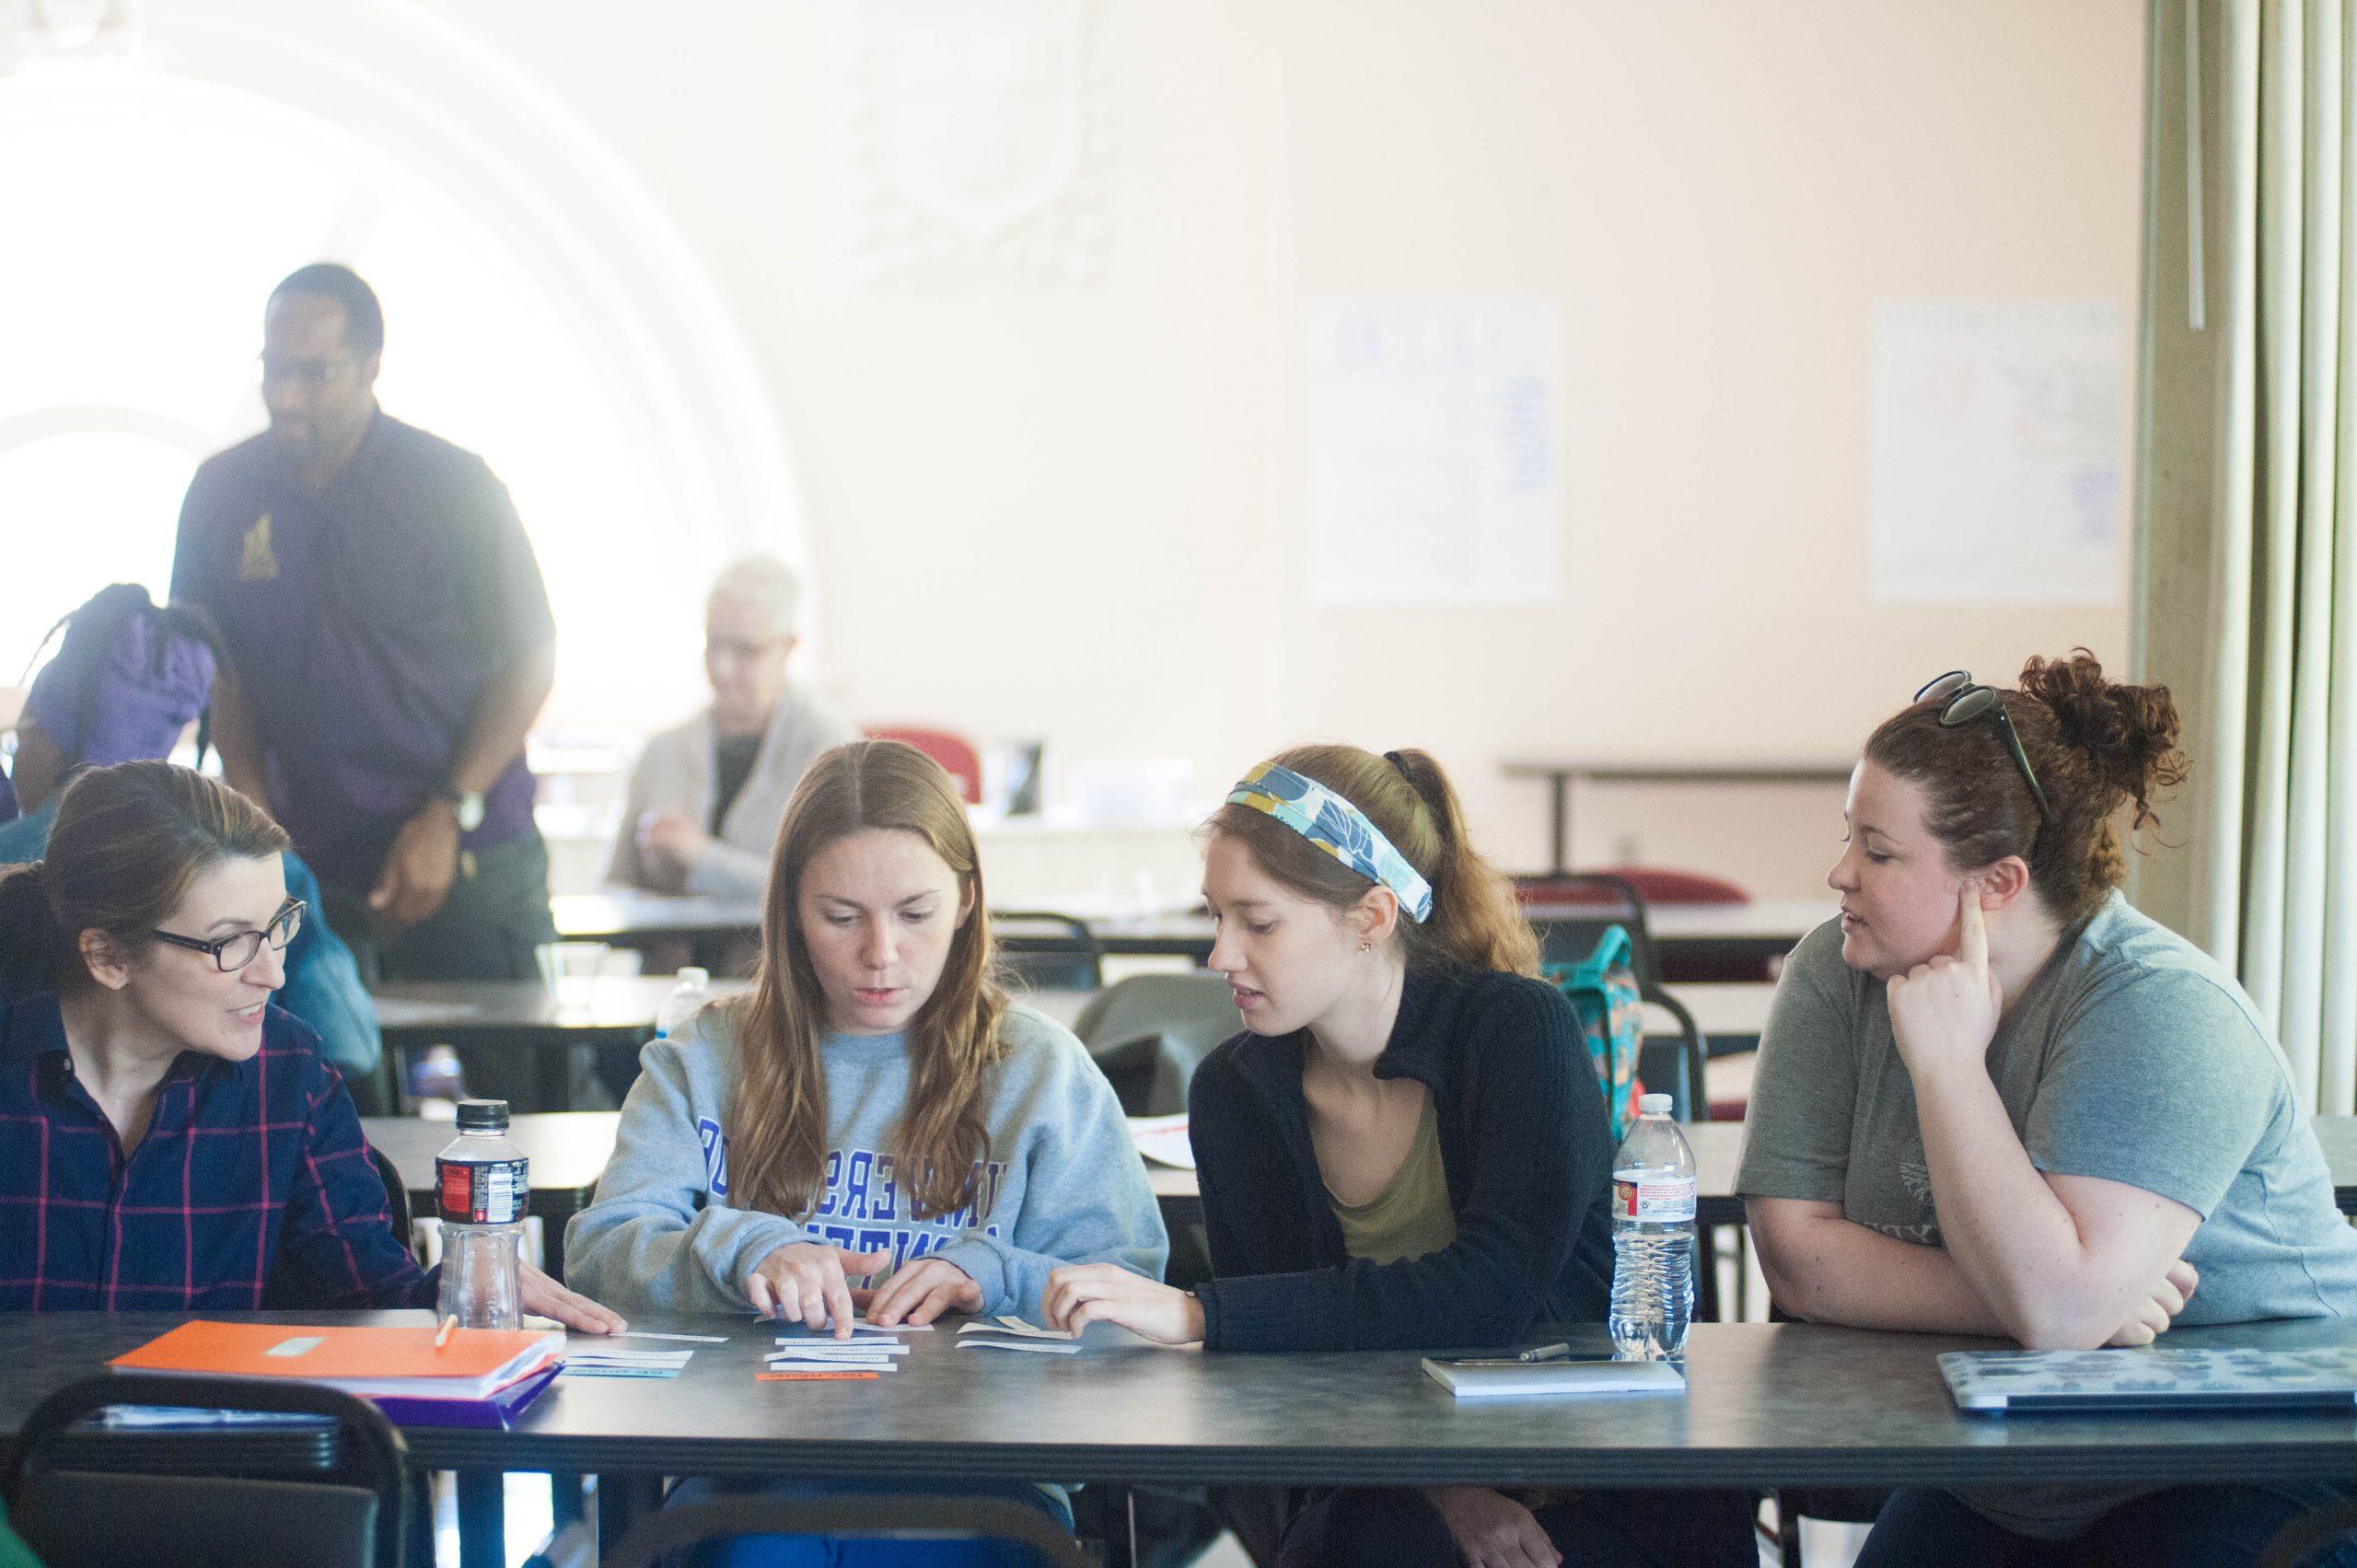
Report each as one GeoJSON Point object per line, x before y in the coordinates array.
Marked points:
{"type": "Point", "coordinates": [1059, 1182]}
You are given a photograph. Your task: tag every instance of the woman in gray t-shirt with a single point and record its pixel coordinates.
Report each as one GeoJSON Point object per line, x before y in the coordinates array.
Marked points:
{"type": "Point", "coordinates": [1993, 1099]}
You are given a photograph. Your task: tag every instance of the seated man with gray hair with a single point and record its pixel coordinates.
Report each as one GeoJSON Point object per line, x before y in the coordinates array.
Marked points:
{"type": "Point", "coordinates": [705, 799]}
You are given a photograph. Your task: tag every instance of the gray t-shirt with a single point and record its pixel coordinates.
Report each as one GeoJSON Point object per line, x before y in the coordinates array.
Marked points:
{"type": "Point", "coordinates": [2132, 1056]}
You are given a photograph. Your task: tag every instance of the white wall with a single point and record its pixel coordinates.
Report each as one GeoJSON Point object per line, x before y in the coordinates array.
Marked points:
{"type": "Point", "coordinates": [1075, 511]}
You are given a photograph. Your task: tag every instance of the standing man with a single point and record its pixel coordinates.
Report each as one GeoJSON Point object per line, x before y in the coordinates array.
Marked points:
{"type": "Point", "coordinates": [390, 644]}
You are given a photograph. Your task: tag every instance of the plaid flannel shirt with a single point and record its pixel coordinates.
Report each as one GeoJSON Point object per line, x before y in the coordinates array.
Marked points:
{"type": "Point", "coordinates": [252, 1188]}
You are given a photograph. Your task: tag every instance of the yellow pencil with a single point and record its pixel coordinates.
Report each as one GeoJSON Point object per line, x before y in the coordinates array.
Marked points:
{"type": "Point", "coordinates": [442, 1335]}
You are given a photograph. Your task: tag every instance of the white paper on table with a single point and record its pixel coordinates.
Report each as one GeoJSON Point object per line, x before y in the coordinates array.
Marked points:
{"type": "Point", "coordinates": [1008, 1323]}
{"type": "Point", "coordinates": [650, 1334]}
{"type": "Point", "coordinates": [1162, 1140]}
{"type": "Point", "coordinates": [837, 1363]}
{"type": "Point", "coordinates": [1046, 1347]}
{"type": "Point", "coordinates": [1432, 463]}
{"type": "Point", "coordinates": [891, 1328]}
{"type": "Point", "coordinates": [843, 1347]}
{"type": "Point", "coordinates": [1999, 431]}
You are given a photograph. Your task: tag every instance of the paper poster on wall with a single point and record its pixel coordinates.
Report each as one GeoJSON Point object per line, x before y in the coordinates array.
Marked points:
{"type": "Point", "coordinates": [1998, 446]}
{"type": "Point", "coordinates": [1431, 452]}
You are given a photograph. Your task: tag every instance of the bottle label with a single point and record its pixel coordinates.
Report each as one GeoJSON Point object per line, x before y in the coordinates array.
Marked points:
{"type": "Point", "coordinates": [1663, 1200]}
{"type": "Point", "coordinates": [493, 1193]}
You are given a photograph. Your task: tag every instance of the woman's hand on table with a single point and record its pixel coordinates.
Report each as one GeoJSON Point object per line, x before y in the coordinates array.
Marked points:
{"type": "Point", "coordinates": [807, 1282]}
{"type": "Point", "coordinates": [921, 1292]}
{"type": "Point", "coordinates": [1082, 1293]}
{"type": "Point", "coordinates": [543, 1297]}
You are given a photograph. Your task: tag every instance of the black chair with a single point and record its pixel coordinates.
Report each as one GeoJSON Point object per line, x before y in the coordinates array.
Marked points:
{"type": "Point", "coordinates": [325, 1495]}
{"type": "Point", "coordinates": [396, 1198]}
{"type": "Point", "coordinates": [675, 1528]}
{"type": "Point", "coordinates": [1058, 952]}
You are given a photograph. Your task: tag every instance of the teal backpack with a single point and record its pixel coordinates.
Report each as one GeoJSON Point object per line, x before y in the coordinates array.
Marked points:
{"type": "Point", "coordinates": [1602, 990]}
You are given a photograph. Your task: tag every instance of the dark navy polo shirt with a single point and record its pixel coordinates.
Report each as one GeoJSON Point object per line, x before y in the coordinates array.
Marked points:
{"type": "Point", "coordinates": [363, 624]}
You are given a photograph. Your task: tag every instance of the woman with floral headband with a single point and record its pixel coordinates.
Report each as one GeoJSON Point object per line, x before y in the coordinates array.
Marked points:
{"type": "Point", "coordinates": [1404, 1149]}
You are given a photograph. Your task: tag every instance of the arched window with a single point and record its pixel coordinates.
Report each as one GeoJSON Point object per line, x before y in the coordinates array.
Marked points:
{"type": "Point", "coordinates": [539, 310]}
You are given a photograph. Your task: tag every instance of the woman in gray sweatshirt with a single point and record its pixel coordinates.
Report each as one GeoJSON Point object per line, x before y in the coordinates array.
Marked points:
{"type": "Point", "coordinates": [874, 1126]}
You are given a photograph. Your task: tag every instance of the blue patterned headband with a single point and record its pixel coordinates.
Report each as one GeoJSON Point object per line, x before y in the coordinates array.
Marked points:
{"type": "Point", "coordinates": [1336, 826]}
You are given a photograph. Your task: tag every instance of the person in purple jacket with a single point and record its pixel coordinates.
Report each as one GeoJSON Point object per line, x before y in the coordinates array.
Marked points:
{"type": "Point", "coordinates": [1405, 1149]}
{"type": "Point", "coordinates": [390, 643]}
{"type": "Point", "coordinates": [169, 1140]}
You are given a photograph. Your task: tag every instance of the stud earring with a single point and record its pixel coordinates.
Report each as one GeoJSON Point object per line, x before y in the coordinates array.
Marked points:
{"type": "Point", "coordinates": [1366, 946]}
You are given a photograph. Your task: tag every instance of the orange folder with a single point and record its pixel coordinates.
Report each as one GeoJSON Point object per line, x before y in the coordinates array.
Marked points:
{"type": "Point", "coordinates": [363, 1360]}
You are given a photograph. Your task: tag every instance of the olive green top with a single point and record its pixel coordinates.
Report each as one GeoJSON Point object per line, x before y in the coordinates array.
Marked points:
{"type": "Point", "coordinates": [1410, 1216]}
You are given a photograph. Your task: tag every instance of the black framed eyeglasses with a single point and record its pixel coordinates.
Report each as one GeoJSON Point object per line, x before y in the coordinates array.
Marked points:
{"type": "Point", "coordinates": [1965, 701]}
{"type": "Point", "coordinates": [235, 951]}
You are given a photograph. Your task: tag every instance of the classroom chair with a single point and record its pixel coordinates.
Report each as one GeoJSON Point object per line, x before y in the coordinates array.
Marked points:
{"type": "Point", "coordinates": [396, 1198]}
{"type": "Point", "coordinates": [317, 1496]}
{"type": "Point", "coordinates": [881, 1515]}
{"type": "Point", "coordinates": [1077, 963]}
{"type": "Point", "coordinates": [954, 752]}
{"type": "Point", "coordinates": [1661, 884]}
{"type": "Point", "coordinates": [1180, 1018]}
{"type": "Point", "coordinates": [1571, 912]}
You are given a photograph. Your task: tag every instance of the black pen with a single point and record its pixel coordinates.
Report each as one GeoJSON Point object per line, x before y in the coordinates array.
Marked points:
{"type": "Point", "coordinates": [1546, 1353]}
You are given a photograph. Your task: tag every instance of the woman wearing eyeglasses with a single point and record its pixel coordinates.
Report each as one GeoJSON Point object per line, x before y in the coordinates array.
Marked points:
{"type": "Point", "coordinates": [1993, 1099]}
{"type": "Point", "coordinates": [168, 1138]}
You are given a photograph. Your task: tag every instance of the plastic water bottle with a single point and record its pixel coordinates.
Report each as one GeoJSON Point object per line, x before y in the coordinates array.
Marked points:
{"type": "Point", "coordinates": [481, 1184]}
{"type": "Point", "coordinates": [1653, 1236]}
{"type": "Point", "coordinates": [692, 992]}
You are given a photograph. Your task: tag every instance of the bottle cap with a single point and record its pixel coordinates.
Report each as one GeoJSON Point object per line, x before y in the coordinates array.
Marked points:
{"type": "Point", "coordinates": [483, 1115]}
{"type": "Point", "coordinates": [691, 975]}
{"type": "Point", "coordinates": [1647, 1104]}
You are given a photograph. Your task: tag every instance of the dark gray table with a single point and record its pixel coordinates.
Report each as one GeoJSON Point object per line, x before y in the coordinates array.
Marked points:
{"type": "Point", "coordinates": [525, 1015]}
{"type": "Point", "coordinates": [1768, 1406]}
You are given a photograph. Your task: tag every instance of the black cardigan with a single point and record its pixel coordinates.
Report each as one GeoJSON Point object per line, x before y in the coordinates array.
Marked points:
{"type": "Point", "coordinates": [1523, 1140]}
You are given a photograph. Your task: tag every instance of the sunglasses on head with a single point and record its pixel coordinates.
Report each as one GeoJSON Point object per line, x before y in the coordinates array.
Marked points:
{"type": "Point", "coordinates": [1963, 701]}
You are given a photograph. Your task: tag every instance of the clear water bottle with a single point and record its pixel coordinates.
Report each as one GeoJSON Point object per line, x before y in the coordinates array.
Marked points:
{"type": "Point", "coordinates": [692, 992]}
{"type": "Point", "coordinates": [481, 1185]}
{"type": "Point", "coordinates": [1653, 1236]}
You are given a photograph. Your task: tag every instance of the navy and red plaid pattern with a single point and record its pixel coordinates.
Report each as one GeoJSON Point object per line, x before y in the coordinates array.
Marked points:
{"type": "Point", "coordinates": [253, 1187]}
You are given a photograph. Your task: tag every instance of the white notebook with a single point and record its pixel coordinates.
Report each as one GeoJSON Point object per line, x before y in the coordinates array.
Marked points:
{"type": "Point", "coordinates": [1513, 1379]}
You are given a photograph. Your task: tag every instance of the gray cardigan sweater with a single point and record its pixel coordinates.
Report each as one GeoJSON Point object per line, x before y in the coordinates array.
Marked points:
{"type": "Point", "coordinates": [675, 774]}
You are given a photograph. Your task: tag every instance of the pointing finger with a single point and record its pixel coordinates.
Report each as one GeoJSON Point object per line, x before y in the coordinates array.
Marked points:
{"type": "Point", "coordinates": [1973, 930]}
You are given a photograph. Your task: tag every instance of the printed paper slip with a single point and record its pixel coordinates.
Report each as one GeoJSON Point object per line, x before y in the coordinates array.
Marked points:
{"type": "Point", "coordinates": [1009, 1324]}
{"type": "Point", "coordinates": [813, 1377]}
{"type": "Point", "coordinates": [843, 1347]}
{"type": "Point", "coordinates": [650, 1334]}
{"type": "Point", "coordinates": [1042, 1347]}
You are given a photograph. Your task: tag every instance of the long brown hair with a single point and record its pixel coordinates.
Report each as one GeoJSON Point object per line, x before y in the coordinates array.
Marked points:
{"type": "Point", "coordinates": [1475, 922]}
{"type": "Point", "coordinates": [127, 842]}
{"type": "Point", "coordinates": [2096, 745]}
{"type": "Point", "coordinates": [778, 1126]}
